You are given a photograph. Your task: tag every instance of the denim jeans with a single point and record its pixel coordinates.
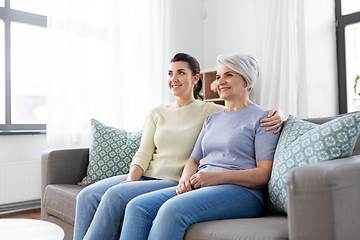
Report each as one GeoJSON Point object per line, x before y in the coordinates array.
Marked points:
{"type": "Point", "coordinates": [163, 215]}
{"type": "Point", "coordinates": [101, 206]}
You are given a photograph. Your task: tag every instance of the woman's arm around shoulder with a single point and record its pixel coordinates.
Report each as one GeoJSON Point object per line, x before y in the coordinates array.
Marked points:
{"type": "Point", "coordinates": [273, 121]}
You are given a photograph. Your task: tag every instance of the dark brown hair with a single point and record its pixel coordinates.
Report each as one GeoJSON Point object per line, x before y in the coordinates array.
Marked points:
{"type": "Point", "coordinates": [195, 69]}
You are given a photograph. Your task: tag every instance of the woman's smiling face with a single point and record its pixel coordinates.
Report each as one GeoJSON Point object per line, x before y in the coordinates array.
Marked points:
{"type": "Point", "coordinates": [181, 80]}
{"type": "Point", "coordinates": [230, 84]}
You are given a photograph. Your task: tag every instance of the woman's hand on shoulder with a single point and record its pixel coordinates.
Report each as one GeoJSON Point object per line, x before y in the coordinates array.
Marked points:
{"type": "Point", "coordinates": [183, 186]}
{"type": "Point", "coordinates": [273, 121]}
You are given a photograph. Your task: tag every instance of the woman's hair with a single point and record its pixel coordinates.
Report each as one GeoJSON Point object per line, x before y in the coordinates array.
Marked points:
{"type": "Point", "coordinates": [195, 69]}
{"type": "Point", "coordinates": [244, 65]}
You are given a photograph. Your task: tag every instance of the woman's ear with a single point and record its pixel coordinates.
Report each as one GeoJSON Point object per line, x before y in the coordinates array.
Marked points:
{"type": "Point", "coordinates": [196, 79]}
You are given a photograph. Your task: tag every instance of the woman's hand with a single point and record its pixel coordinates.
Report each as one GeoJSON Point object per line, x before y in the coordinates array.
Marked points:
{"type": "Point", "coordinates": [184, 182]}
{"type": "Point", "coordinates": [274, 120]}
{"type": "Point", "coordinates": [205, 179]}
{"type": "Point", "coordinates": [128, 180]}
{"type": "Point", "coordinates": [135, 174]}
{"type": "Point", "coordinates": [183, 186]}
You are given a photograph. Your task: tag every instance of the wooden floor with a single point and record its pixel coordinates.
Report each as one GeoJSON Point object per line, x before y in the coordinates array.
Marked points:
{"type": "Point", "coordinates": [28, 214]}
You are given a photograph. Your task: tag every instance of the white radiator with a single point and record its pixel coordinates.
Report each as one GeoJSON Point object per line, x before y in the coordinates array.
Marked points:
{"type": "Point", "coordinates": [20, 181]}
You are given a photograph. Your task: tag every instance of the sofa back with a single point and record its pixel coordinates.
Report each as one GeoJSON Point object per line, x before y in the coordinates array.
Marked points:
{"type": "Point", "coordinates": [322, 120]}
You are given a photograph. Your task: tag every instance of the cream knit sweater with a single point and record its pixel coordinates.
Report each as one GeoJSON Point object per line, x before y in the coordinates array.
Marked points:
{"type": "Point", "coordinates": [168, 138]}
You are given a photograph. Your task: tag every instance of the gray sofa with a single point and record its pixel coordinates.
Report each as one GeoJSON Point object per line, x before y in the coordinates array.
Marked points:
{"type": "Point", "coordinates": [324, 200]}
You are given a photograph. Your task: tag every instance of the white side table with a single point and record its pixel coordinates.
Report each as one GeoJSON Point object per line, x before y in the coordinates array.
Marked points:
{"type": "Point", "coordinates": [29, 229]}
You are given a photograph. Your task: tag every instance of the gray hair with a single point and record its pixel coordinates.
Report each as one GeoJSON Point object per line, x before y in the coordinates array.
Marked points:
{"type": "Point", "coordinates": [244, 65]}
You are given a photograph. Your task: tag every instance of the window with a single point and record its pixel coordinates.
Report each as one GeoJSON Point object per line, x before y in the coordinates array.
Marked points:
{"type": "Point", "coordinates": [348, 53]}
{"type": "Point", "coordinates": [24, 62]}
{"type": "Point", "coordinates": [349, 6]}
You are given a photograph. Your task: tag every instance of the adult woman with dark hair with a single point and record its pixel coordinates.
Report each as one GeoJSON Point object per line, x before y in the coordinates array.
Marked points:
{"type": "Point", "coordinates": [168, 137]}
{"type": "Point", "coordinates": [230, 165]}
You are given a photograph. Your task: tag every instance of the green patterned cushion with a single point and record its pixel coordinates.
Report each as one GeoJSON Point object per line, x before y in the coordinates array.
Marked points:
{"type": "Point", "coordinates": [303, 143]}
{"type": "Point", "coordinates": [111, 152]}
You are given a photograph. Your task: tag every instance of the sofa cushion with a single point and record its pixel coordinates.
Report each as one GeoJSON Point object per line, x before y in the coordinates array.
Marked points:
{"type": "Point", "coordinates": [60, 200]}
{"type": "Point", "coordinates": [303, 143]}
{"type": "Point", "coordinates": [269, 227]}
{"type": "Point", "coordinates": [111, 152]}
{"type": "Point", "coordinates": [322, 120]}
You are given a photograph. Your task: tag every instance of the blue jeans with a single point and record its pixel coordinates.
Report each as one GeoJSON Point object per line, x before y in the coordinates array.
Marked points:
{"type": "Point", "coordinates": [101, 206]}
{"type": "Point", "coordinates": [163, 215]}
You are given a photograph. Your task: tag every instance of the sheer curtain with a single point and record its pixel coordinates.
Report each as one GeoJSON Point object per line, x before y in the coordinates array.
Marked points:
{"type": "Point", "coordinates": [106, 63]}
{"type": "Point", "coordinates": [278, 55]}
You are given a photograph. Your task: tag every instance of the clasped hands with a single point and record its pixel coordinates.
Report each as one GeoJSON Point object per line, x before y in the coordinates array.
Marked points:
{"type": "Point", "coordinates": [198, 180]}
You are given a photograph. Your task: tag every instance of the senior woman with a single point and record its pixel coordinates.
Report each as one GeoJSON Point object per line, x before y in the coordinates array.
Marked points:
{"type": "Point", "coordinates": [230, 165]}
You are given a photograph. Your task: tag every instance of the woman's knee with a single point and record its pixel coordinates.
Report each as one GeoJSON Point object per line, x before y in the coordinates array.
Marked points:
{"type": "Point", "coordinates": [119, 194]}
{"type": "Point", "coordinates": [134, 207]}
{"type": "Point", "coordinates": [170, 210]}
{"type": "Point", "coordinates": [112, 195]}
{"type": "Point", "coordinates": [85, 195]}
{"type": "Point", "coordinates": [140, 205]}
{"type": "Point", "coordinates": [171, 218]}
{"type": "Point", "coordinates": [98, 189]}
{"type": "Point", "coordinates": [146, 205]}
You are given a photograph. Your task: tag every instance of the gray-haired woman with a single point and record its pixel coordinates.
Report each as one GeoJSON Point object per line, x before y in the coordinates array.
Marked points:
{"type": "Point", "coordinates": [230, 165]}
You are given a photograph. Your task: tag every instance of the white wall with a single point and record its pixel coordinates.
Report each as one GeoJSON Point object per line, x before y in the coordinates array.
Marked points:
{"type": "Point", "coordinates": [230, 27]}
{"type": "Point", "coordinates": [183, 33]}
{"type": "Point", "coordinates": [184, 28]}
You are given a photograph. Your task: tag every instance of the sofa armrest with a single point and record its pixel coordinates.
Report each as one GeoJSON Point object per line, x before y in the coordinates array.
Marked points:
{"type": "Point", "coordinates": [63, 166]}
{"type": "Point", "coordinates": [324, 200]}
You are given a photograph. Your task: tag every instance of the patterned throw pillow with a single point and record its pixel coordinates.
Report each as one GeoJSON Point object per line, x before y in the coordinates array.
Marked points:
{"type": "Point", "coordinates": [303, 143]}
{"type": "Point", "coordinates": [111, 152]}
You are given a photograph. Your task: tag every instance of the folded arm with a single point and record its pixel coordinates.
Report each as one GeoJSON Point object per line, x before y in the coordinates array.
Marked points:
{"type": "Point", "coordinates": [255, 178]}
